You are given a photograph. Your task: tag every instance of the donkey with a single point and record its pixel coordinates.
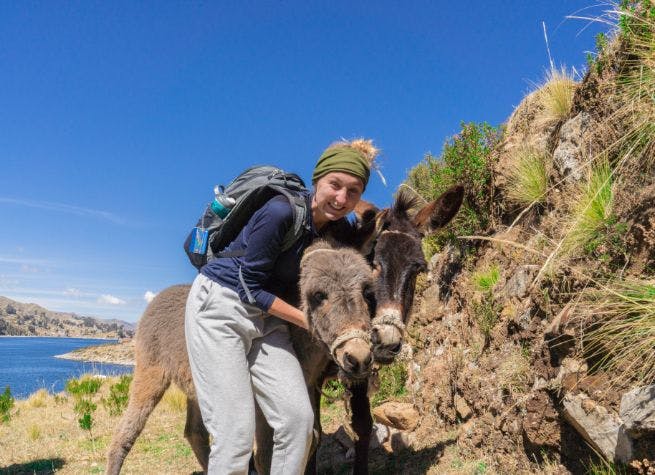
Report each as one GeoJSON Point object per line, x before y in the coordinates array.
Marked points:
{"type": "Point", "coordinates": [397, 258]}
{"type": "Point", "coordinates": [336, 293]}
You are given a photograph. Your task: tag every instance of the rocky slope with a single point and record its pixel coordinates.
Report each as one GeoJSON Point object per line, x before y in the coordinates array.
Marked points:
{"type": "Point", "coordinates": [27, 319]}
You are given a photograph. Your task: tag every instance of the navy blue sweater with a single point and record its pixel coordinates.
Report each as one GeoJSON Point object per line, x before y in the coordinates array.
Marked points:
{"type": "Point", "coordinates": [266, 270]}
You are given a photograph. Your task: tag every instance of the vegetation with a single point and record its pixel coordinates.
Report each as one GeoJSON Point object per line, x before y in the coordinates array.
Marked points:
{"type": "Point", "coordinates": [392, 383]}
{"type": "Point", "coordinates": [465, 159]}
{"type": "Point", "coordinates": [6, 404]}
{"type": "Point", "coordinates": [591, 212]}
{"type": "Point", "coordinates": [332, 391]}
{"type": "Point", "coordinates": [556, 95]}
{"type": "Point", "coordinates": [485, 280]}
{"type": "Point", "coordinates": [118, 396]}
{"type": "Point", "coordinates": [620, 318]}
{"type": "Point", "coordinates": [83, 390]}
{"type": "Point", "coordinates": [486, 310]}
{"type": "Point", "coordinates": [527, 183]}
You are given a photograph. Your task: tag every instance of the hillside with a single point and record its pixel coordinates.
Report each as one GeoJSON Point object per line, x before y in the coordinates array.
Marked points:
{"type": "Point", "coordinates": [27, 319]}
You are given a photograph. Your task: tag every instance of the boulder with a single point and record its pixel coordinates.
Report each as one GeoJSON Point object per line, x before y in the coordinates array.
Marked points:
{"type": "Point", "coordinates": [399, 415]}
{"type": "Point", "coordinates": [518, 284]}
{"type": "Point", "coordinates": [637, 411]}
{"type": "Point", "coordinates": [602, 429]}
{"type": "Point", "coordinates": [568, 156]}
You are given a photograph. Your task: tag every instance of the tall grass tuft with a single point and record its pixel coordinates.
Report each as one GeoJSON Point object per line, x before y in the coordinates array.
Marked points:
{"type": "Point", "coordinates": [528, 177]}
{"type": "Point", "coordinates": [620, 334]}
{"type": "Point", "coordinates": [591, 211]}
{"type": "Point", "coordinates": [484, 280]}
{"type": "Point", "coordinates": [556, 95]}
{"type": "Point", "coordinates": [38, 399]}
{"type": "Point", "coordinates": [174, 399]}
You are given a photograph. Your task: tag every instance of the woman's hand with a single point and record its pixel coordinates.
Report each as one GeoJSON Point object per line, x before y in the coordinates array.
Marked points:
{"type": "Point", "coordinates": [287, 312]}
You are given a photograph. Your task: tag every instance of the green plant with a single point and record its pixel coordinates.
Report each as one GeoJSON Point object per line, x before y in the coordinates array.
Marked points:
{"type": "Point", "coordinates": [484, 280]}
{"type": "Point", "coordinates": [83, 390]}
{"type": "Point", "coordinates": [392, 383]}
{"type": "Point", "coordinates": [6, 403]}
{"type": "Point", "coordinates": [528, 177]}
{"type": "Point", "coordinates": [619, 329]}
{"type": "Point", "coordinates": [603, 467]}
{"type": "Point", "coordinates": [332, 391]}
{"type": "Point", "coordinates": [465, 159]}
{"type": "Point", "coordinates": [34, 432]}
{"type": "Point", "coordinates": [591, 211]}
{"type": "Point", "coordinates": [118, 396]}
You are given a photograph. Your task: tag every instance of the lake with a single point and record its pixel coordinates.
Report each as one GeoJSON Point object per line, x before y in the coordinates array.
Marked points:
{"type": "Point", "coordinates": [28, 364]}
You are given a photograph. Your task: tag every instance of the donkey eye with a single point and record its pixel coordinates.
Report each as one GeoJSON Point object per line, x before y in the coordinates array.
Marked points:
{"type": "Point", "coordinates": [317, 298]}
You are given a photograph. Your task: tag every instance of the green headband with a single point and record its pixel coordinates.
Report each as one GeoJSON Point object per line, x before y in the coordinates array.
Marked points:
{"type": "Point", "coordinates": [342, 159]}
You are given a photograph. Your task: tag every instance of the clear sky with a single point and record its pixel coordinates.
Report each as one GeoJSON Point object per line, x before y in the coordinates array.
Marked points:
{"type": "Point", "coordinates": [117, 118]}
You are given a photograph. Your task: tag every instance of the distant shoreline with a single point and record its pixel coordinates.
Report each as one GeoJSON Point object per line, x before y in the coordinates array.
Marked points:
{"type": "Point", "coordinates": [61, 336]}
{"type": "Point", "coordinates": [119, 352]}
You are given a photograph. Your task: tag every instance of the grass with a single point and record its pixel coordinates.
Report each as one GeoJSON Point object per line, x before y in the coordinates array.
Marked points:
{"type": "Point", "coordinates": [528, 177]}
{"type": "Point", "coordinates": [556, 95]}
{"type": "Point", "coordinates": [484, 280]}
{"type": "Point", "coordinates": [174, 400]}
{"type": "Point", "coordinates": [513, 373]}
{"type": "Point", "coordinates": [392, 380]}
{"type": "Point", "coordinates": [591, 211]}
{"type": "Point", "coordinates": [39, 398]}
{"type": "Point", "coordinates": [47, 438]}
{"type": "Point", "coordinates": [620, 329]}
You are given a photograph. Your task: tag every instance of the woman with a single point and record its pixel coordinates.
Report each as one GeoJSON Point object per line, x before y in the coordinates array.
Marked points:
{"type": "Point", "coordinates": [241, 352]}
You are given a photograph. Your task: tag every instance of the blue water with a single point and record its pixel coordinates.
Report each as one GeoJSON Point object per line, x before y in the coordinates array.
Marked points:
{"type": "Point", "coordinates": [28, 364]}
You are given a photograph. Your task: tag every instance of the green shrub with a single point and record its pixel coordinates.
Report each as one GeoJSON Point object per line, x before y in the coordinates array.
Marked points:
{"type": "Point", "coordinates": [6, 404]}
{"type": "Point", "coordinates": [465, 159]}
{"type": "Point", "coordinates": [484, 281]}
{"type": "Point", "coordinates": [118, 396]}
{"type": "Point", "coordinates": [486, 311]}
{"type": "Point", "coordinates": [392, 380]}
{"type": "Point", "coordinates": [83, 390]}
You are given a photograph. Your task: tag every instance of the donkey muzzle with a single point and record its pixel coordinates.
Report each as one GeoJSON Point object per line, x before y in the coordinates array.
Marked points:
{"type": "Point", "coordinates": [352, 352]}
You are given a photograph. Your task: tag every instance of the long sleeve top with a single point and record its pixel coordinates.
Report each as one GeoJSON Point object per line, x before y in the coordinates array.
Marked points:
{"type": "Point", "coordinates": [265, 269]}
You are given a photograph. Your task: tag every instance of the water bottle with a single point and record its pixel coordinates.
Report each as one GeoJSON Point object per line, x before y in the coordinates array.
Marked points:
{"type": "Point", "coordinates": [222, 203]}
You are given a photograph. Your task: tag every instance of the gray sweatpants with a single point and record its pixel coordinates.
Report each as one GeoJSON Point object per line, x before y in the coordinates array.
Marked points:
{"type": "Point", "coordinates": [238, 354]}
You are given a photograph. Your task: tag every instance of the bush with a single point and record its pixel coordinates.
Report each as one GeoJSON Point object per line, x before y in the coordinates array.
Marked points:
{"type": "Point", "coordinates": [466, 160]}
{"type": "Point", "coordinates": [116, 401]}
{"type": "Point", "coordinates": [486, 311]}
{"type": "Point", "coordinates": [6, 403]}
{"type": "Point", "coordinates": [83, 390]}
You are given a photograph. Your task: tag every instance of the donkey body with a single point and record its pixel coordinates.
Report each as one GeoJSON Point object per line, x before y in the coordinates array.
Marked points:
{"type": "Point", "coordinates": [336, 292]}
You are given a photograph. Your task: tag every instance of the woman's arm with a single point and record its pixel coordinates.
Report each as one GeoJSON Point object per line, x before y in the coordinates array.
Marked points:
{"type": "Point", "coordinates": [287, 312]}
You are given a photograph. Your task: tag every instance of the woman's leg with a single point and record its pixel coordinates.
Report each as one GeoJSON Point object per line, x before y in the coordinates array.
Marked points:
{"type": "Point", "coordinates": [218, 334]}
{"type": "Point", "coordinates": [281, 394]}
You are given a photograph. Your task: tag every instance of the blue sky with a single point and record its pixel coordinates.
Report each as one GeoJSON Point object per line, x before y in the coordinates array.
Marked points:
{"type": "Point", "coordinates": [117, 118]}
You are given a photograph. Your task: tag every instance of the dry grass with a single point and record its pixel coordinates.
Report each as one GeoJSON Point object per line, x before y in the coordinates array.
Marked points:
{"type": "Point", "coordinates": [620, 329]}
{"type": "Point", "coordinates": [174, 400]}
{"type": "Point", "coordinates": [513, 373]}
{"type": "Point", "coordinates": [528, 177]}
{"type": "Point", "coordinates": [47, 438]}
{"type": "Point", "coordinates": [556, 95]}
{"type": "Point", "coordinates": [38, 399]}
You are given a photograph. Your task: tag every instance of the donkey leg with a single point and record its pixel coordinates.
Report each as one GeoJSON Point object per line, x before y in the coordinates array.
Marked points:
{"type": "Point", "coordinates": [362, 424]}
{"type": "Point", "coordinates": [146, 390]}
{"type": "Point", "coordinates": [196, 433]}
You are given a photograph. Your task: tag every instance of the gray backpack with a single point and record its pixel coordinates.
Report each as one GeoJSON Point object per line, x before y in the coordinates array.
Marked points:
{"type": "Point", "coordinates": [251, 189]}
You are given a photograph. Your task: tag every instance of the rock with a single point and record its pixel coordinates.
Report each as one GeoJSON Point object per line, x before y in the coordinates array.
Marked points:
{"type": "Point", "coordinates": [518, 284]}
{"type": "Point", "coordinates": [560, 335]}
{"type": "Point", "coordinates": [541, 425]}
{"type": "Point", "coordinates": [602, 429]}
{"type": "Point", "coordinates": [443, 268]}
{"type": "Point", "coordinates": [567, 157]}
{"type": "Point", "coordinates": [462, 408]}
{"type": "Point", "coordinates": [571, 372]}
{"type": "Point", "coordinates": [399, 415]}
{"type": "Point", "coordinates": [637, 411]}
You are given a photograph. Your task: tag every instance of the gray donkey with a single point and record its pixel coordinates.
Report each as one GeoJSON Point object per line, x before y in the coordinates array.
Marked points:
{"type": "Point", "coordinates": [336, 294]}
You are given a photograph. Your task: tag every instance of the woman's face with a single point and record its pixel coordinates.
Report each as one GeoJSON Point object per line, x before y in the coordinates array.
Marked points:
{"type": "Point", "coordinates": [336, 195]}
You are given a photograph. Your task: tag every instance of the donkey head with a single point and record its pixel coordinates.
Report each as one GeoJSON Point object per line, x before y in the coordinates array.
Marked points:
{"type": "Point", "coordinates": [398, 258]}
{"type": "Point", "coordinates": [338, 296]}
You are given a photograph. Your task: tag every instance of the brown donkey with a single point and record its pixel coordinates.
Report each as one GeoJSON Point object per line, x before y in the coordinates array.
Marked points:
{"type": "Point", "coordinates": [397, 258]}
{"type": "Point", "coordinates": [337, 296]}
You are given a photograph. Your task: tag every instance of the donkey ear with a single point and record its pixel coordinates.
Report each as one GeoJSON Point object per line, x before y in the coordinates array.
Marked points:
{"type": "Point", "coordinates": [365, 211]}
{"type": "Point", "coordinates": [366, 226]}
{"type": "Point", "coordinates": [438, 213]}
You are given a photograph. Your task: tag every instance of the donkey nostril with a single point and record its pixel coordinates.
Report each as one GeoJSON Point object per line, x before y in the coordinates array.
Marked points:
{"type": "Point", "coordinates": [368, 361]}
{"type": "Point", "coordinates": [349, 361]}
{"type": "Point", "coordinates": [375, 336]}
{"type": "Point", "coordinates": [396, 348]}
